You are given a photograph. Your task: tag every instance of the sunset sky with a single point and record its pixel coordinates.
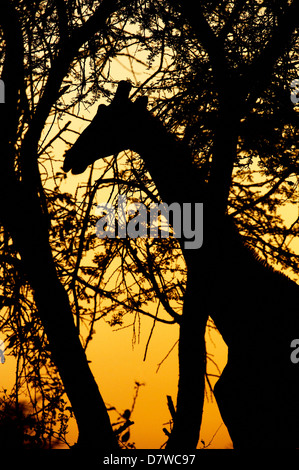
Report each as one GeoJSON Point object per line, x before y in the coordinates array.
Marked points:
{"type": "Point", "coordinates": [116, 361]}
{"type": "Point", "coordinates": [116, 366]}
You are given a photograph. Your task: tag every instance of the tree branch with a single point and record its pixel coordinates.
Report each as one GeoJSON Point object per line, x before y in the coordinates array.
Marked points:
{"type": "Point", "coordinates": [62, 62]}
{"type": "Point", "coordinates": [212, 44]}
{"type": "Point", "coordinates": [13, 72]}
{"type": "Point", "coordinates": [259, 72]}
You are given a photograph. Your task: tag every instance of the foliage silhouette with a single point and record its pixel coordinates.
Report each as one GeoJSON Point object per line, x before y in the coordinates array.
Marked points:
{"type": "Point", "coordinates": [21, 427]}
{"type": "Point", "coordinates": [219, 80]}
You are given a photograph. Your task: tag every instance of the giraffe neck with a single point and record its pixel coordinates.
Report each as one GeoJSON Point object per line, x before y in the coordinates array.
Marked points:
{"type": "Point", "coordinates": [168, 161]}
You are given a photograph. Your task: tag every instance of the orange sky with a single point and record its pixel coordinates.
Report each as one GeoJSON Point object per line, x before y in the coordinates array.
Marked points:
{"type": "Point", "coordinates": [116, 366]}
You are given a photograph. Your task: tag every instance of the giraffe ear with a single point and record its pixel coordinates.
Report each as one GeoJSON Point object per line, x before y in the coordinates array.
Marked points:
{"type": "Point", "coordinates": [142, 102]}
{"type": "Point", "coordinates": [122, 92]}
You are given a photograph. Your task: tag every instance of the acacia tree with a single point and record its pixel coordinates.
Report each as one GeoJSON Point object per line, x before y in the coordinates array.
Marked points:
{"type": "Point", "coordinates": [55, 58]}
{"type": "Point", "coordinates": [40, 42]}
{"type": "Point", "coordinates": [246, 59]}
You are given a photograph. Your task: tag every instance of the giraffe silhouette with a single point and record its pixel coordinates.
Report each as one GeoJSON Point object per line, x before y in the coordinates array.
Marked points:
{"type": "Point", "coordinates": [253, 306]}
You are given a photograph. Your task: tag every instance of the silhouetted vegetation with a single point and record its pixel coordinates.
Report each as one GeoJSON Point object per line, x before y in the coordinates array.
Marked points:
{"type": "Point", "coordinates": [22, 427]}
{"type": "Point", "coordinates": [217, 77]}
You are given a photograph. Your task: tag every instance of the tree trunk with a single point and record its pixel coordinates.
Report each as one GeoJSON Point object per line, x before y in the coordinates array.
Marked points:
{"type": "Point", "coordinates": [192, 365]}
{"type": "Point", "coordinates": [23, 218]}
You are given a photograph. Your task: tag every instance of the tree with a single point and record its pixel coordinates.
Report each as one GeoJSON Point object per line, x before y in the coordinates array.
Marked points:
{"type": "Point", "coordinates": [55, 58]}
{"type": "Point", "coordinates": [35, 35]}
{"type": "Point", "coordinates": [240, 76]}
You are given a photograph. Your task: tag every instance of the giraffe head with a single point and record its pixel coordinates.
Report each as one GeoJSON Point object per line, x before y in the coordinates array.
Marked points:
{"type": "Point", "coordinates": [113, 129]}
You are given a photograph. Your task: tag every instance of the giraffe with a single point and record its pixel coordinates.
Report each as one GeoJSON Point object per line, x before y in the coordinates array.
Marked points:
{"type": "Point", "coordinates": [253, 306]}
